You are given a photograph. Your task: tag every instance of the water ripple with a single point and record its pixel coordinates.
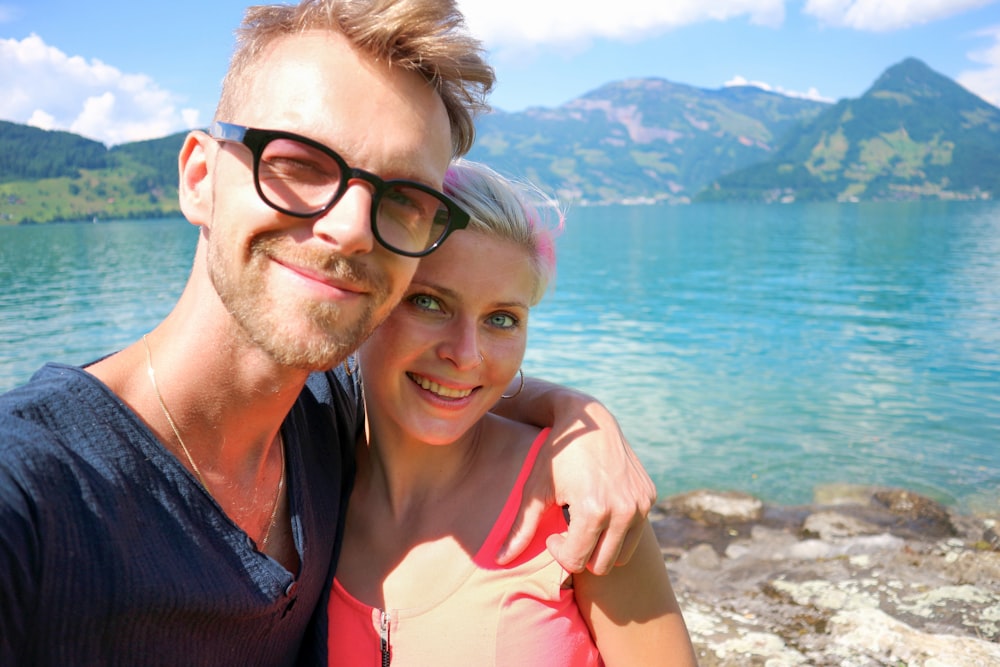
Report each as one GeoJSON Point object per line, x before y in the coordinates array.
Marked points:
{"type": "Point", "coordinates": [767, 349]}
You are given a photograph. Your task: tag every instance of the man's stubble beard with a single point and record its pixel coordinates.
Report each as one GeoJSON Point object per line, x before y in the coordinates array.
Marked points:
{"type": "Point", "coordinates": [266, 324]}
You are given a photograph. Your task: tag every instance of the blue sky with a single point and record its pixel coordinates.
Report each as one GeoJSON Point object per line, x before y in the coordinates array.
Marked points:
{"type": "Point", "coordinates": [118, 71]}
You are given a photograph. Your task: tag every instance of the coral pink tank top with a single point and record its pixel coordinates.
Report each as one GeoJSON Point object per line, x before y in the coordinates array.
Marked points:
{"type": "Point", "coordinates": [522, 614]}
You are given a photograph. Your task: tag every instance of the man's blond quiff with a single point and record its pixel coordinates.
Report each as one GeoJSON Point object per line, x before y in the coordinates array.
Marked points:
{"type": "Point", "coordinates": [425, 36]}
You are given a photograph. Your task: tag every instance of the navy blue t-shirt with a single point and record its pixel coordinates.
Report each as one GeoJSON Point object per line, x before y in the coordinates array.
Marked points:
{"type": "Point", "coordinates": [112, 553]}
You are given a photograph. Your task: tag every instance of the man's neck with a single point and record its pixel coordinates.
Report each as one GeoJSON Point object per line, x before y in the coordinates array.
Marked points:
{"type": "Point", "coordinates": [226, 398]}
{"type": "Point", "coordinates": [217, 406]}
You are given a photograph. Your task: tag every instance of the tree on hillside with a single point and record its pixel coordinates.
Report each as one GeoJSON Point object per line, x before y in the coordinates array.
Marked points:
{"type": "Point", "coordinates": [28, 153]}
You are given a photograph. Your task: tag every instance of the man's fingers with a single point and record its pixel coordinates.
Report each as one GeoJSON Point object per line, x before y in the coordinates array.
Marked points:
{"type": "Point", "coordinates": [574, 548]}
{"type": "Point", "coordinates": [630, 544]}
{"type": "Point", "coordinates": [521, 533]}
{"type": "Point", "coordinates": [598, 541]}
{"type": "Point", "coordinates": [607, 551]}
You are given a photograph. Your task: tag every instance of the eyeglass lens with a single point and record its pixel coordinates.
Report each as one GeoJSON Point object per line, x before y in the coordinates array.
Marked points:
{"type": "Point", "coordinates": [302, 180]}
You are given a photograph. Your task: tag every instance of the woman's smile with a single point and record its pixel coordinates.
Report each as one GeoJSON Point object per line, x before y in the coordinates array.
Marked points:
{"type": "Point", "coordinates": [439, 390]}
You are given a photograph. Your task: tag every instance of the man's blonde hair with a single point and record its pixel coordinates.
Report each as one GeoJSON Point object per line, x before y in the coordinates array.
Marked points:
{"type": "Point", "coordinates": [425, 36]}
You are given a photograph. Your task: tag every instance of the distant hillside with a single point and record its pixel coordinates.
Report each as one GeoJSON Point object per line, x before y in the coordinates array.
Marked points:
{"type": "Point", "coordinates": [642, 139]}
{"type": "Point", "coordinates": [914, 134]}
{"type": "Point", "coordinates": [54, 176]}
{"type": "Point", "coordinates": [27, 153]}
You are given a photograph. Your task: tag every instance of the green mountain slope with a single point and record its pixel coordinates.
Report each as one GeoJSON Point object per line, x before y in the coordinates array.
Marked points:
{"type": "Point", "coordinates": [27, 153]}
{"type": "Point", "coordinates": [57, 176]}
{"type": "Point", "coordinates": [643, 139]}
{"type": "Point", "coordinates": [914, 134]}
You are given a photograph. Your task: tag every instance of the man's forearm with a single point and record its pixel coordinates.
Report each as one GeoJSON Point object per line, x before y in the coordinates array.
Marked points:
{"type": "Point", "coordinates": [538, 402]}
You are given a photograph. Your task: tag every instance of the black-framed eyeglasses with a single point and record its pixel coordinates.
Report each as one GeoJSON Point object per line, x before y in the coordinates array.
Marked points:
{"type": "Point", "coordinates": [303, 178]}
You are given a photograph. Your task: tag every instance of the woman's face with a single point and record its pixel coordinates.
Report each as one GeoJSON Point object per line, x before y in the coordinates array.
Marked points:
{"type": "Point", "coordinates": [451, 347]}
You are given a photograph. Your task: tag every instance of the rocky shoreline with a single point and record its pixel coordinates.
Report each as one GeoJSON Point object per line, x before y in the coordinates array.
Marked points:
{"type": "Point", "coordinates": [863, 576]}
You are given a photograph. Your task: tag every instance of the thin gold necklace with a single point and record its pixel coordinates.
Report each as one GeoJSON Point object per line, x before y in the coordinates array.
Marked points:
{"type": "Point", "coordinates": [277, 494]}
{"type": "Point", "coordinates": [190, 459]}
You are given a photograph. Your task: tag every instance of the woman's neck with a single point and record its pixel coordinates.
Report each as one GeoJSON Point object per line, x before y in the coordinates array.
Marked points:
{"type": "Point", "coordinates": [414, 504]}
{"type": "Point", "coordinates": [407, 474]}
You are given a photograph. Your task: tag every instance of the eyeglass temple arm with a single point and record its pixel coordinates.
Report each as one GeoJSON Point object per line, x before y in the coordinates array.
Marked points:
{"type": "Point", "coordinates": [227, 131]}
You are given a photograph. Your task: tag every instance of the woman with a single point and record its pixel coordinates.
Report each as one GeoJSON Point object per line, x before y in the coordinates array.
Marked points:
{"type": "Point", "coordinates": [439, 478]}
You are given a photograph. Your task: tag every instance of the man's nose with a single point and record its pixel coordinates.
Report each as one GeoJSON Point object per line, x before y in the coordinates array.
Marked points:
{"type": "Point", "coordinates": [347, 225]}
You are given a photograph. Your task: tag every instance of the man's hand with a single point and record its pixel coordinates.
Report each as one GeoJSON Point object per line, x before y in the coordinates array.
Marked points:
{"type": "Point", "coordinates": [588, 466]}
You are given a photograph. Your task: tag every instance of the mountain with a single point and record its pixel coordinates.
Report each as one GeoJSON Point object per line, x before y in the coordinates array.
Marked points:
{"type": "Point", "coordinates": [28, 153]}
{"type": "Point", "coordinates": [640, 140]}
{"type": "Point", "coordinates": [48, 176]}
{"type": "Point", "coordinates": [914, 134]}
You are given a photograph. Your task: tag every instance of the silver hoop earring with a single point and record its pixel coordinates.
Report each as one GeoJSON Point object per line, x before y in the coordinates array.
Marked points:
{"type": "Point", "coordinates": [520, 387]}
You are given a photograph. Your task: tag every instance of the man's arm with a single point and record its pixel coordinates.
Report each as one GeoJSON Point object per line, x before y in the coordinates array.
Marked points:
{"type": "Point", "coordinates": [586, 465]}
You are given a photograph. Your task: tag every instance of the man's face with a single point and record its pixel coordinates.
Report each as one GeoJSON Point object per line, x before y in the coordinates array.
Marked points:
{"type": "Point", "coordinates": [308, 291]}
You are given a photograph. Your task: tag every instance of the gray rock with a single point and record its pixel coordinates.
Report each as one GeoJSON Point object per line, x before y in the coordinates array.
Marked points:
{"type": "Point", "coordinates": [843, 583]}
{"type": "Point", "coordinates": [991, 536]}
{"type": "Point", "coordinates": [715, 508]}
{"type": "Point", "coordinates": [702, 557]}
{"type": "Point", "coordinates": [830, 524]}
{"type": "Point", "coordinates": [920, 514]}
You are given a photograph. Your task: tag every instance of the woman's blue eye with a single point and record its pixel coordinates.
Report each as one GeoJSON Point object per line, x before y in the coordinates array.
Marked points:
{"type": "Point", "coordinates": [425, 302]}
{"type": "Point", "coordinates": [503, 320]}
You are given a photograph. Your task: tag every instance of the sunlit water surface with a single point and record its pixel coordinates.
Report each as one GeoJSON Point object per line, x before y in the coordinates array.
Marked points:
{"type": "Point", "coordinates": [765, 349]}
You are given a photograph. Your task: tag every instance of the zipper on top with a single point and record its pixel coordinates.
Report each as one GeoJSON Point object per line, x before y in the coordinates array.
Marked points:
{"type": "Point", "coordinates": [384, 638]}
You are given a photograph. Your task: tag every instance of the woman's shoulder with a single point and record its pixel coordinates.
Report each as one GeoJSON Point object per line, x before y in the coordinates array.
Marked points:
{"type": "Point", "coordinates": [508, 440]}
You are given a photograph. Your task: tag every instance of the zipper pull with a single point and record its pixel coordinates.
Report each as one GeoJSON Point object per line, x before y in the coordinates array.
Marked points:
{"type": "Point", "coordinates": [384, 636]}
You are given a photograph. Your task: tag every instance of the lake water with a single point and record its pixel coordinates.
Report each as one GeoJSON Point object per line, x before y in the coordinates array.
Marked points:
{"type": "Point", "coordinates": [768, 349]}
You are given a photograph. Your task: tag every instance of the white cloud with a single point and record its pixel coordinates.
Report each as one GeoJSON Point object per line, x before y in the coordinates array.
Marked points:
{"type": "Point", "coordinates": [513, 24]}
{"type": "Point", "coordinates": [885, 15]}
{"type": "Point", "coordinates": [985, 82]}
{"type": "Point", "coordinates": [811, 94]}
{"type": "Point", "coordinates": [46, 88]}
{"type": "Point", "coordinates": [42, 120]}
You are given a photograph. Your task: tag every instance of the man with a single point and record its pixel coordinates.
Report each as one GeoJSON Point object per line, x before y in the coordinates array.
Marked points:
{"type": "Point", "coordinates": [179, 502]}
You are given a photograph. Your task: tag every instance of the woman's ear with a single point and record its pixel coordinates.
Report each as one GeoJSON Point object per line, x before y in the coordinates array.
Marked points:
{"type": "Point", "coordinates": [195, 190]}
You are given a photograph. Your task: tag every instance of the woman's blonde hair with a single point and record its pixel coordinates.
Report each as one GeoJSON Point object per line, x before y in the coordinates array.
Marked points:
{"type": "Point", "coordinates": [425, 36]}
{"type": "Point", "coordinates": [509, 210]}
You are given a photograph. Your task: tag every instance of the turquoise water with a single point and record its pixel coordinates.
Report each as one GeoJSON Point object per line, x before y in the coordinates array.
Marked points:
{"type": "Point", "coordinates": [766, 349]}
